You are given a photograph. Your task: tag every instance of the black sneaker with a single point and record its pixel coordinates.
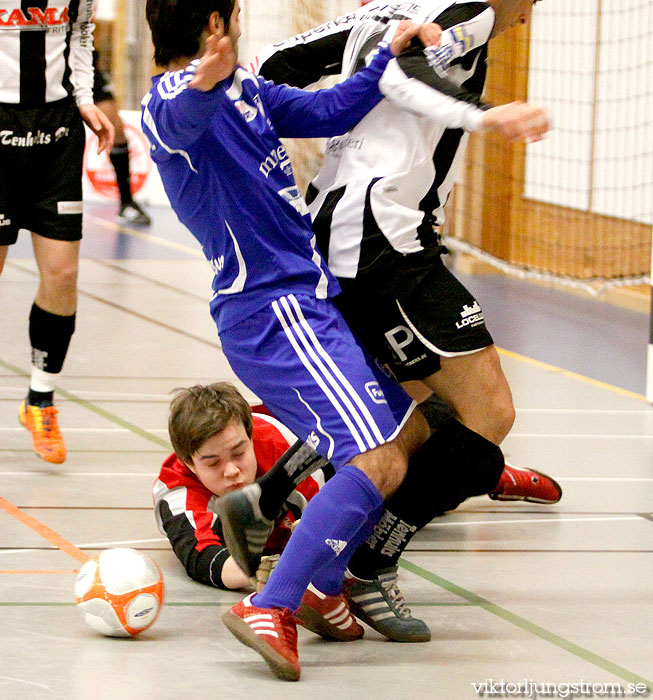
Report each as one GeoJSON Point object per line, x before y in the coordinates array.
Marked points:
{"type": "Point", "coordinates": [380, 604]}
{"type": "Point", "coordinates": [244, 528]}
{"type": "Point", "coordinates": [132, 214]}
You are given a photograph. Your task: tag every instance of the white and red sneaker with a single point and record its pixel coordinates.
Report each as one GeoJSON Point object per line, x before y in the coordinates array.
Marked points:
{"type": "Point", "coordinates": [329, 616]}
{"type": "Point", "coordinates": [520, 484]}
{"type": "Point", "coordinates": [272, 632]}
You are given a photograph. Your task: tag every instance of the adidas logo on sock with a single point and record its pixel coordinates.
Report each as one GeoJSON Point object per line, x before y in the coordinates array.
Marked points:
{"type": "Point", "coordinates": [336, 545]}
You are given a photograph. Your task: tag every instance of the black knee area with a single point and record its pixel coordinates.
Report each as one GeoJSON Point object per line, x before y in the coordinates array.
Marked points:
{"type": "Point", "coordinates": [436, 411]}
{"type": "Point", "coordinates": [452, 465]}
{"type": "Point", "coordinates": [49, 336]}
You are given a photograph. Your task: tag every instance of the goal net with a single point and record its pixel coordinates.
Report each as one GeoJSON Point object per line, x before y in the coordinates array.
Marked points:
{"type": "Point", "coordinates": [575, 209]}
{"type": "Point", "coordinates": [267, 21]}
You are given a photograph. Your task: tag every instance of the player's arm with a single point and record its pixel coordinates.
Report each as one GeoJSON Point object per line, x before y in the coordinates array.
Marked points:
{"type": "Point", "coordinates": [80, 62]}
{"type": "Point", "coordinates": [196, 541]}
{"type": "Point", "coordinates": [417, 81]}
{"type": "Point", "coordinates": [303, 59]}
{"type": "Point", "coordinates": [80, 59]}
{"type": "Point", "coordinates": [301, 114]}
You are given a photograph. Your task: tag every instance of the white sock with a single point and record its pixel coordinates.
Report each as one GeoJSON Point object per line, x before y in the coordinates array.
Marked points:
{"type": "Point", "coordinates": [42, 381]}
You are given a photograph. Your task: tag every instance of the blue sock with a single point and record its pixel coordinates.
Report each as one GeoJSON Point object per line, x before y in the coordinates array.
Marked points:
{"type": "Point", "coordinates": [329, 523]}
{"type": "Point", "coordinates": [329, 578]}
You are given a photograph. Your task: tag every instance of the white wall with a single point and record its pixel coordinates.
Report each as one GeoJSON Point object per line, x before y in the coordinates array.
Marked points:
{"type": "Point", "coordinates": [106, 10]}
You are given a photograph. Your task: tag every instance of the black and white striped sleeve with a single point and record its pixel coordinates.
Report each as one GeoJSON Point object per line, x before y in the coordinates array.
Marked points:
{"type": "Point", "coordinates": [304, 58]}
{"type": "Point", "coordinates": [422, 80]}
{"type": "Point", "coordinates": [81, 53]}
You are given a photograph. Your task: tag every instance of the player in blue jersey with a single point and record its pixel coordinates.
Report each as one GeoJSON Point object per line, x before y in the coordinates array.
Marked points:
{"type": "Point", "coordinates": [214, 129]}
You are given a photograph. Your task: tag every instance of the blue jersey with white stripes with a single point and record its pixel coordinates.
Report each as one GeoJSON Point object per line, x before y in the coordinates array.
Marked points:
{"type": "Point", "coordinates": [230, 180]}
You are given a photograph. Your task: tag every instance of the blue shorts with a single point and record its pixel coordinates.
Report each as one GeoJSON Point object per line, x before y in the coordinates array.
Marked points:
{"type": "Point", "coordinates": [300, 358]}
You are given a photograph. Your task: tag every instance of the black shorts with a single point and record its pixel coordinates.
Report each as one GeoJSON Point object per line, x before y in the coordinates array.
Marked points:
{"type": "Point", "coordinates": [412, 312]}
{"type": "Point", "coordinates": [42, 150]}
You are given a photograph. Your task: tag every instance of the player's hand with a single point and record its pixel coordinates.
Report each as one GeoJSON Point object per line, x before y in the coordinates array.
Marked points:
{"type": "Point", "coordinates": [406, 30]}
{"type": "Point", "coordinates": [266, 567]}
{"type": "Point", "coordinates": [518, 121]}
{"type": "Point", "coordinates": [100, 125]}
{"type": "Point", "coordinates": [429, 34]}
{"type": "Point", "coordinates": [218, 62]}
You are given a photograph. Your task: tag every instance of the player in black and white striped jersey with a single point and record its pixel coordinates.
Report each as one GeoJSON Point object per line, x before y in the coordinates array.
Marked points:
{"type": "Point", "coordinates": [46, 80]}
{"type": "Point", "coordinates": [378, 207]}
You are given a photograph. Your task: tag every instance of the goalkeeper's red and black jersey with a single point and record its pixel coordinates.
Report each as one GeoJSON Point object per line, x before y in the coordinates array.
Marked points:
{"type": "Point", "coordinates": [384, 184]}
{"type": "Point", "coordinates": [186, 511]}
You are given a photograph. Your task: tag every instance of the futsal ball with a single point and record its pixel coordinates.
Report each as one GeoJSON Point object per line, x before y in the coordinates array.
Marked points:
{"type": "Point", "coordinates": [119, 592]}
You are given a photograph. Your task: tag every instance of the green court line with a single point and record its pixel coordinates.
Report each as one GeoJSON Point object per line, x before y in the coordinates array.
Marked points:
{"type": "Point", "coordinates": [205, 604]}
{"type": "Point", "coordinates": [113, 451]}
{"type": "Point", "coordinates": [96, 409]}
{"type": "Point", "coordinates": [526, 625]}
{"type": "Point", "coordinates": [470, 597]}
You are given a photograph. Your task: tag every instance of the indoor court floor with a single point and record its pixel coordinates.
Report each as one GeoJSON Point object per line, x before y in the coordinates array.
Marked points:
{"type": "Point", "coordinates": [515, 594]}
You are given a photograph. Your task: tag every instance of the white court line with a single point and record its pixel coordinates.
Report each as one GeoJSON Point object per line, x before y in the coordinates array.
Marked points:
{"type": "Point", "coordinates": [20, 429]}
{"type": "Point", "coordinates": [120, 543]}
{"type": "Point", "coordinates": [90, 395]}
{"type": "Point", "coordinates": [4, 552]}
{"type": "Point", "coordinates": [25, 682]}
{"type": "Point", "coordinates": [585, 436]}
{"type": "Point", "coordinates": [547, 436]}
{"type": "Point", "coordinates": [22, 551]}
{"type": "Point", "coordinates": [589, 411]}
{"type": "Point", "coordinates": [150, 238]}
{"type": "Point", "coordinates": [604, 478]}
{"type": "Point", "coordinates": [151, 475]}
{"type": "Point", "coordinates": [552, 519]}
{"type": "Point", "coordinates": [154, 474]}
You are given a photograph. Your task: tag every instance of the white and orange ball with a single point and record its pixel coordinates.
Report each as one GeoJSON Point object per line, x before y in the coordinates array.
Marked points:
{"type": "Point", "coordinates": [119, 592]}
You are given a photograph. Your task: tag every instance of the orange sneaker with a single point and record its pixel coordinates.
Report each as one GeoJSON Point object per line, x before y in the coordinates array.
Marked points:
{"type": "Point", "coordinates": [271, 632]}
{"type": "Point", "coordinates": [46, 438]}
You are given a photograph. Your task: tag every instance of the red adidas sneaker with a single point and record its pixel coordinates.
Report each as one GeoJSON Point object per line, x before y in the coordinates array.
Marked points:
{"type": "Point", "coordinates": [271, 632]}
{"type": "Point", "coordinates": [519, 484]}
{"type": "Point", "coordinates": [329, 616]}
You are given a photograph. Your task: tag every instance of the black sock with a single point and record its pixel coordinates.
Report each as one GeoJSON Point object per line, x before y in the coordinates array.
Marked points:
{"type": "Point", "coordinates": [40, 398]}
{"type": "Point", "coordinates": [298, 462]}
{"type": "Point", "coordinates": [49, 336]}
{"type": "Point", "coordinates": [453, 464]}
{"type": "Point", "coordinates": [120, 160]}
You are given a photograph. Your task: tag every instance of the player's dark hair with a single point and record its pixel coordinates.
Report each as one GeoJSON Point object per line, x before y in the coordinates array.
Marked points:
{"type": "Point", "coordinates": [177, 25]}
{"type": "Point", "coordinates": [200, 412]}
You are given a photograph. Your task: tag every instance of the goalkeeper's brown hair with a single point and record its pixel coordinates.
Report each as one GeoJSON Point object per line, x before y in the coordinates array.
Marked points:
{"type": "Point", "coordinates": [199, 412]}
